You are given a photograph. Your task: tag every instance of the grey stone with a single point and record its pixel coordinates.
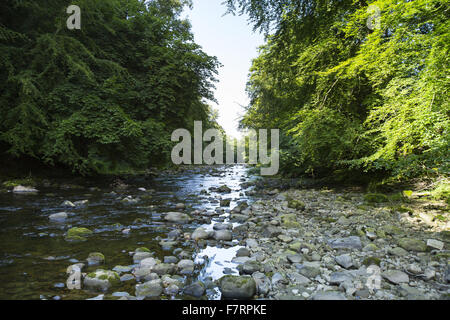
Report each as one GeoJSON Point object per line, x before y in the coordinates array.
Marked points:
{"type": "Point", "coordinates": [164, 268]}
{"type": "Point", "coordinates": [414, 268]}
{"type": "Point", "coordinates": [308, 271]}
{"type": "Point", "coordinates": [278, 278]}
{"type": "Point", "coordinates": [429, 274]}
{"type": "Point", "coordinates": [22, 189]}
{"type": "Point", "coordinates": [122, 269]}
{"type": "Point", "coordinates": [399, 252]}
{"type": "Point", "coordinates": [200, 234]}
{"type": "Point", "coordinates": [172, 290]}
{"type": "Point", "coordinates": [148, 263]}
{"type": "Point", "coordinates": [68, 203]}
{"type": "Point", "coordinates": [363, 293]}
{"type": "Point", "coordinates": [271, 232]}
{"type": "Point", "coordinates": [186, 266]}
{"type": "Point", "coordinates": [447, 274]}
{"type": "Point", "coordinates": [395, 276]}
{"type": "Point", "coordinates": [222, 226]}
{"type": "Point", "coordinates": [295, 258]}
{"type": "Point", "coordinates": [243, 252]}
{"type": "Point", "coordinates": [58, 217]}
{"type": "Point", "coordinates": [250, 267]}
{"type": "Point", "coordinates": [298, 278]}
{"type": "Point", "coordinates": [340, 277]}
{"type": "Point", "coordinates": [223, 235]}
{"type": "Point", "coordinates": [120, 294]}
{"type": "Point", "coordinates": [196, 289]}
{"type": "Point", "coordinates": [352, 242]}
{"type": "Point", "coordinates": [180, 206]}
{"type": "Point", "coordinates": [177, 217]}
{"type": "Point", "coordinates": [328, 295]}
{"type": "Point", "coordinates": [139, 256]}
{"type": "Point", "coordinates": [126, 277]}
{"type": "Point", "coordinates": [435, 244]}
{"type": "Point", "coordinates": [344, 261]}
{"type": "Point", "coordinates": [262, 283]}
{"type": "Point", "coordinates": [170, 259]}
{"type": "Point", "coordinates": [174, 234]}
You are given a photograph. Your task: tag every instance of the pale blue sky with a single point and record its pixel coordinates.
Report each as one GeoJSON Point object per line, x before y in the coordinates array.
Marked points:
{"type": "Point", "coordinates": [234, 43]}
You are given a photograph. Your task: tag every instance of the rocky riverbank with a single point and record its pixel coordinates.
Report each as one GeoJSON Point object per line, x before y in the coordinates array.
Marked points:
{"type": "Point", "coordinates": [320, 244]}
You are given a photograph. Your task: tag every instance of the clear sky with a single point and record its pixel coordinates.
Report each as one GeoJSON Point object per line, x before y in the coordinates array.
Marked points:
{"type": "Point", "coordinates": [232, 40]}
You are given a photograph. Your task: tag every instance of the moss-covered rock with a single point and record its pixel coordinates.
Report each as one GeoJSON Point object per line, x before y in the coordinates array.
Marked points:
{"type": "Point", "coordinates": [402, 209]}
{"type": "Point", "coordinates": [296, 204]}
{"type": "Point", "coordinates": [290, 221]}
{"type": "Point", "coordinates": [369, 261]}
{"type": "Point", "coordinates": [391, 230]}
{"type": "Point", "coordinates": [101, 280]}
{"type": "Point", "coordinates": [375, 198]}
{"type": "Point", "coordinates": [224, 189]}
{"type": "Point", "coordinates": [237, 287]}
{"type": "Point", "coordinates": [371, 247]}
{"type": "Point", "coordinates": [78, 234]}
{"type": "Point", "coordinates": [296, 246]}
{"type": "Point", "coordinates": [397, 197]}
{"type": "Point", "coordinates": [95, 258]}
{"type": "Point", "coordinates": [10, 184]}
{"type": "Point", "coordinates": [410, 244]}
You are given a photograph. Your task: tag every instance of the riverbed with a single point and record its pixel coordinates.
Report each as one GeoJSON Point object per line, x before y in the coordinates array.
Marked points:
{"type": "Point", "coordinates": [35, 255]}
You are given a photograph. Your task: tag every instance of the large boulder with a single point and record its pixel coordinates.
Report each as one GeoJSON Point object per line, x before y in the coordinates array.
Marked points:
{"type": "Point", "coordinates": [237, 287]}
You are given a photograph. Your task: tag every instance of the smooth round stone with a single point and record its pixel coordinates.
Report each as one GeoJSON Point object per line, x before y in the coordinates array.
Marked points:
{"type": "Point", "coordinates": [170, 259]}
{"type": "Point", "coordinates": [120, 294]}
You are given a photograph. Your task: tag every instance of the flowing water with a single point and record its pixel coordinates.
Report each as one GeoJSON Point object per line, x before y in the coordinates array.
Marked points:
{"type": "Point", "coordinates": [34, 255]}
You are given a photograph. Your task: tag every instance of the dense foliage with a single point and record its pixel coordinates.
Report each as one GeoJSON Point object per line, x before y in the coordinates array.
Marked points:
{"type": "Point", "coordinates": [104, 98]}
{"type": "Point", "coordinates": [351, 96]}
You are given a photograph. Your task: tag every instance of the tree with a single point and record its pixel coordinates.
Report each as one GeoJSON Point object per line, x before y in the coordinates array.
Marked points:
{"type": "Point", "coordinates": [348, 97]}
{"type": "Point", "coordinates": [104, 98]}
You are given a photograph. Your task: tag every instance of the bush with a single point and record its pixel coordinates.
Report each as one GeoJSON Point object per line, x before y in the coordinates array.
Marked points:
{"type": "Point", "coordinates": [442, 192]}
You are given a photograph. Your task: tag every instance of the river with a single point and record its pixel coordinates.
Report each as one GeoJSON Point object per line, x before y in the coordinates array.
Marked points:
{"type": "Point", "coordinates": [35, 255]}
